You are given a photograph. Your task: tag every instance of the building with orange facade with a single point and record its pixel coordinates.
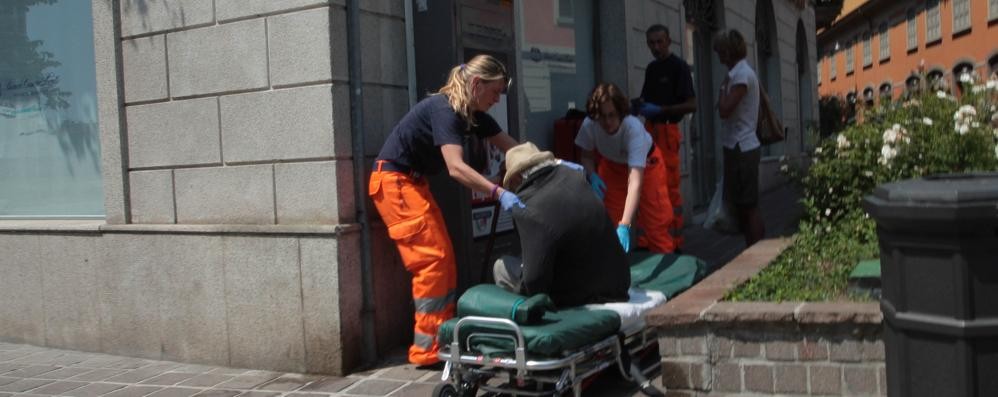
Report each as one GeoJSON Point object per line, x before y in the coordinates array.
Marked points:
{"type": "Point", "coordinates": [880, 49]}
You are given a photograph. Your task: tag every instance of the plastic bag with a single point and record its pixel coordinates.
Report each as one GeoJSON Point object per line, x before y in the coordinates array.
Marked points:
{"type": "Point", "coordinates": [720, 214]}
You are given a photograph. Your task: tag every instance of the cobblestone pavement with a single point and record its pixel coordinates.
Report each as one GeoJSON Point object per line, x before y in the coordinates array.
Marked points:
{"type": "Point", "coordinates": [34, 371]}
{"type": "Point", "coordinates": [27, 371]}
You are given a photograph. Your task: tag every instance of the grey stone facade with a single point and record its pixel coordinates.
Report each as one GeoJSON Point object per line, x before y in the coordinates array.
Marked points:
{"type": "Point", "coordinates": [230, 235]}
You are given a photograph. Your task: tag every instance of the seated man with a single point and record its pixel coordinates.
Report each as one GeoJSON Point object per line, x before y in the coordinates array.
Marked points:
{"type": "Point", "coordinates": [569, 246]}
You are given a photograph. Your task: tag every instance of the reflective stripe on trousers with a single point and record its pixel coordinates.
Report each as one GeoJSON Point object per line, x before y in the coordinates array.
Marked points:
{"type": "Point", "coordinates": [668, 138]}
{"type": "Point", "coordinates": [417, 226]}
{"type": "Point", "coordinates": [654, 208]}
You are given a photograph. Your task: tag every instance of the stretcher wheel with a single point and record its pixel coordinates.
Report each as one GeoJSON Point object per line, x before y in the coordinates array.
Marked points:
{"type": "Point", "coordinates": [445, 390]}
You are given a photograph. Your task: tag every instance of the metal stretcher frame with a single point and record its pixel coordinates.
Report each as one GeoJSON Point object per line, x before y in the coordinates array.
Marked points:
{"type": "Point", "coordinates": [466, 371]}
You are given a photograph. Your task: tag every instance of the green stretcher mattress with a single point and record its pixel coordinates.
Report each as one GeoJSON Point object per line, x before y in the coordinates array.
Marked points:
{"type": "Point", "coordinates": [566, 330]}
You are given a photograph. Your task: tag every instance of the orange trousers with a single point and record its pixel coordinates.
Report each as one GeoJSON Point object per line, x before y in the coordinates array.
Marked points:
{"type": "Point", "coordinates": [417, 226]}
{"type": "Point", "coordinates": [654, 209]}
{"type": "Point", "coordinates": [668, 137]}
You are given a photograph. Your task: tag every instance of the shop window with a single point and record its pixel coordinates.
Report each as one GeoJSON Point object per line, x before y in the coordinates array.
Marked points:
{"type": "Point", "coordinates": [961, 16]}
{"type": "Point", "coordinates": [49, 140]}
{"type": "Point", "coordinates": [850, 58]}
{"type": "Point", "coordinates": [885, 41]}
{"type": "Point", "coordinates": [912, 30]}
{"type": "Point", "coordinates": [933, 28]}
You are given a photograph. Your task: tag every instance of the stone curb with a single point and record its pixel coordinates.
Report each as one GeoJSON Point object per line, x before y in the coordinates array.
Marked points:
{"type": "Point", "coordinates": [702, 304]}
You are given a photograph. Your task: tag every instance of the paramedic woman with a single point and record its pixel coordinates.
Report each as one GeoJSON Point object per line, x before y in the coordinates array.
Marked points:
{"type": "Point", "coordinates": [427, 140]}
{"type": "Point", "coordinates": [631, 171]}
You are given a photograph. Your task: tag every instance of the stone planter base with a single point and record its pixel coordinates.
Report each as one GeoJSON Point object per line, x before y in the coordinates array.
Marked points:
{"type": "Point", "coordinates": [712, 348]}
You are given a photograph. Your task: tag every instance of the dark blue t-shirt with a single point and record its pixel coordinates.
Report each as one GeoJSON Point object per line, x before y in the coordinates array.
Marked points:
{"type": "Point", "coordinates": [415, 142]}
{"type": "Point", "coordinates": [668, 82]}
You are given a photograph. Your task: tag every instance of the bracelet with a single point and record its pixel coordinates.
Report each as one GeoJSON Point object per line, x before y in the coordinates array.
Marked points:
{"type": "Point", "coordinates": [495, 188]}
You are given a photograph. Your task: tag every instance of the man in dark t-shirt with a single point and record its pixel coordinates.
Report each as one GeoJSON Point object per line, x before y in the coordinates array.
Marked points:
{"type": "Point", "coordinates": [666, 97]}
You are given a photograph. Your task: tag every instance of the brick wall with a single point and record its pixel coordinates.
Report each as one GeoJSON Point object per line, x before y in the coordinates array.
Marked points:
{"type": "Point", "coordinates": [715, 348]}
{"type": "Point", "coordinates": [770, 359]}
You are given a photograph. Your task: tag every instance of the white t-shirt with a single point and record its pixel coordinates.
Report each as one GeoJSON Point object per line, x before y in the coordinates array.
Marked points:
{"type": "Point", "coordinates": [739, 127]}
{"type": "Point", "coordinates": [630, 145]}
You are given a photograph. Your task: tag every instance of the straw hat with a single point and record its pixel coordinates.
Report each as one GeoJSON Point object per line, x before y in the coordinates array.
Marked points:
{"type": "Point", "coordinates": [522, 157]}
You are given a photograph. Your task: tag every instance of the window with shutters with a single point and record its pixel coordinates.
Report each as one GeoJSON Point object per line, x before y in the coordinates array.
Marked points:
{"type": "Point", "coordinates": [818, 67]}
{"type": "Point", "coordinates": [885, 41]}
{"type": "Point", "coordinates": [850, 58]}
{"type": "Point", "coordinates": [933, 28]}
{"type": "Point", "coordinates": [832, 68]}
{"type": "Point", "coordinates": [867, 50]}
{"type": "Point", "coordinates": [912, 30]}
{"type": "Point", "coordinates": [961, 16]}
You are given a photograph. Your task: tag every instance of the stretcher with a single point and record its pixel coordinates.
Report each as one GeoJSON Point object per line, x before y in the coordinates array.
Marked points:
{"type": "Point", "coordinates": [497, 345]}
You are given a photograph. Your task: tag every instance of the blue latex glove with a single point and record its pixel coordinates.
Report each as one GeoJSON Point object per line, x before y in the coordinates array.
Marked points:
{"type": "Point", "coordinates": [599, 187]}
{"type": "Point", "coordinates": [573, 166]}
{"type": "Point", "coordinates": [650, 110]}
{"type": "Point", "coordinates": [624, 235]}
{"type": "Point", "coordinates": [508, 199]}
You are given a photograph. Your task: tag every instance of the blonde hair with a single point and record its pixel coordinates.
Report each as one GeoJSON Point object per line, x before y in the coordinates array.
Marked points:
{"type": "Point", "coordinates": [731, 43]}
{"type": "Point", "coordinates": [458, 87]}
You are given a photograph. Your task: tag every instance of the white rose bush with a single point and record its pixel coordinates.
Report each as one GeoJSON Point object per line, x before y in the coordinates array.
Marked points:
{"type": "Point", "coordinates": [933, 133]}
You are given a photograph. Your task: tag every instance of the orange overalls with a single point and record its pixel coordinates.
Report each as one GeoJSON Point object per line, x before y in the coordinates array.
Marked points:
{"type": "Point", "coordinates": [654, 209]}
{"type": "Point", "coordinates": [417, 226]}
{"type": "Point", "coordinates": [667, 137]}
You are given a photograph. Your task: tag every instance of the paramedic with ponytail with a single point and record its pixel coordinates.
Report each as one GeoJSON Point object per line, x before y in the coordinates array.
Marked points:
{"type": "Point", "coordinates": [631, 174]}
{"type": "Point", "coordinates": [427, 140]}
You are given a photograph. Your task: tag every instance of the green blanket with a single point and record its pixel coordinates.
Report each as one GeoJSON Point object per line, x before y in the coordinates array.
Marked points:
{"type": "Point", "coordinates": [566, 330]}
{"type": "Point", "coordinates": [557, 332]}
{"type": "Point", "coordinates": [666, 273]}
{"type": "Point", "coordinates": [490, 300]}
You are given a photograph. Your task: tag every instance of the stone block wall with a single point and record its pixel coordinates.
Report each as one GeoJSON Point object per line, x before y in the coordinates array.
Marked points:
{"type": "Point", "coordinates": [714, 348]}
{"type": "Point", "coordinates": [238, 112]}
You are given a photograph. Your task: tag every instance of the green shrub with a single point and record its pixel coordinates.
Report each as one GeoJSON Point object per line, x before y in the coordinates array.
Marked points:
{"type": "Point", "coordinates": [931, 134]}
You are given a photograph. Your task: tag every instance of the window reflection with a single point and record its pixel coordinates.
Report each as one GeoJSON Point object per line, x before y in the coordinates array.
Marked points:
{"type": "Point", "coordinates": [558, 62]}
{"type": "Point", "coordinates": [49, 148]}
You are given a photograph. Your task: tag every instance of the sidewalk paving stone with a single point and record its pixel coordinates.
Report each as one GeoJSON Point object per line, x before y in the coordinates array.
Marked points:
{"type": "Point", "coordinates": [259, 394]}
{"type": "Point", "coordinates": [98, 374]}
{"type": "Point", "coordinates": [289, 382]}
{"type": "Point", "coordinates": [246, 382]}
{"type": "Point", "coordinates": [59, 387]}
{"type": "Point", "coordinates": [176, 392]}
{"type": "Point", "coordinates": [206, 380]}
{"type": "Point", "coordinates": [64, 373]}
{"type": "Point", "coordinates": [134, 376]}
{"type": "Point", "coordinates": [374, 387]}
{"type": "Point", "coordinates": [416, 389]}
{"type": "Point", "coordinates": [218, 393]}
{"type": "Point", "coordinates": [168, 379]}
{"type": "Point", "coordinates": [94, 390]}
{"type": "Point", "coordinates": [31, 371]}
{"type": "Point", "coordinates": [24, 385]}
{"type": "Point", "coordinates": [134, 391]}
{"type": "Point", "coordinates": [329, 385]}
